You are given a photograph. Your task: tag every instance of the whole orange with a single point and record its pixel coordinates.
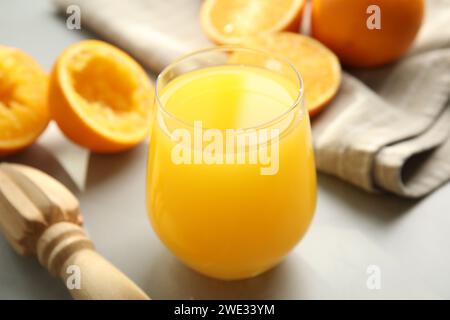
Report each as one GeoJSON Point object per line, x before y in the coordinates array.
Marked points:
{"type": "Point", "coordinates": [367, 33]}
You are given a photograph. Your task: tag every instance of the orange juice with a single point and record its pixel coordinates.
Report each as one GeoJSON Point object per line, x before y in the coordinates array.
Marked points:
{"type": "Point", "coordinates": [228, 220]}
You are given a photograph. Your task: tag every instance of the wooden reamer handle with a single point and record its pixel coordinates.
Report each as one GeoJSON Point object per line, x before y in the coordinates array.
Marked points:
{"type": "Point", "coordinates": [66, 252]}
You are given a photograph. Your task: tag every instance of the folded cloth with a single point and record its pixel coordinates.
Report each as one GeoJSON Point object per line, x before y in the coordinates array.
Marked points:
{"type": "Point", "coordinates": [388, 129]}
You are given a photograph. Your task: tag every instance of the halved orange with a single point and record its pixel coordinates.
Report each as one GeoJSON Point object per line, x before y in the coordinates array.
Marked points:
{"type": "Point", "coordinates": [228, 21]}
{"type": "Point", "coordinates": [23, 106]}
{"type": "Point", "coordinates": [318, 66]}
{"type": "Point", "coordinates": [100, 97]}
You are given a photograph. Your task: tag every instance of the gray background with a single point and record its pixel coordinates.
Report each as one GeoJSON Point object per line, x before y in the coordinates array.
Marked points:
{"type": "Point", "coordinates": [408, 240]}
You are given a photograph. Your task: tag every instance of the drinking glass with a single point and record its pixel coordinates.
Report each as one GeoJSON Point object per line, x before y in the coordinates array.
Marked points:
{"type": "Point", "coordinates": [234, 208]}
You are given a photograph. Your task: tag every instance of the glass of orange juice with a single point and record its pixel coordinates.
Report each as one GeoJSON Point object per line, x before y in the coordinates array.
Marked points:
{"type": "Point", "coordinates": [231, 182]}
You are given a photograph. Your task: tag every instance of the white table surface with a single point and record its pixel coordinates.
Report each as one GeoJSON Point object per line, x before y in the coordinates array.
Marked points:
{"type": "Point", "coordinates": [408, 240]}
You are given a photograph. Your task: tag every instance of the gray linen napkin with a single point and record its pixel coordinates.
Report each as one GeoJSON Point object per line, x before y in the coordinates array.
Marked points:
{"type": "Point", "coordinates": [388, 129]}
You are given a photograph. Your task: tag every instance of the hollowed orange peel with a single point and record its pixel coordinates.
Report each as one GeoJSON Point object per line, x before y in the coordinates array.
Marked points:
{"type": "Point", "coordinates": [100, 97]}
{"type": "Point", "coordinates": [23, 108]}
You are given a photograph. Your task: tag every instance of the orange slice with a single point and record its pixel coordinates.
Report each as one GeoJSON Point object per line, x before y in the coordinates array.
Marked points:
{"type": "Point", "coordinates": [100, 97]}
{"type": "Point", "coordinates": [318, 66]}
{"type": "Point", "coordinates": [227, 21]}
{"type": "Point", "coordinates": [23, 106]}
